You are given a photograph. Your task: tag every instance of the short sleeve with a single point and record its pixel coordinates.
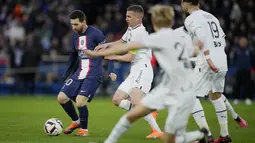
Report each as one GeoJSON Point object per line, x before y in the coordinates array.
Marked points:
{"type": "Point", "coordinates": [195, 29]}
{"type": "Point", "coordinates": [100, 38]}
{"type": "Point", "coordinates": [124, 37]}
{"type": "Point", "coordinates": [72, 45]}
{"type": "Point", "coordinates": [191, 25]}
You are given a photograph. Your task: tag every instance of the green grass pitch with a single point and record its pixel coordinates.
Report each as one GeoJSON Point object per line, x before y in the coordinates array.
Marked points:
{"type": "Point", "coordinates": [22, 119]}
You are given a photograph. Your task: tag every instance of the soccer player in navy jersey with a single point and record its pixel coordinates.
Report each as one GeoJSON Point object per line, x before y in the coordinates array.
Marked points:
{"type": "Point", "coordinates": [83, 81]}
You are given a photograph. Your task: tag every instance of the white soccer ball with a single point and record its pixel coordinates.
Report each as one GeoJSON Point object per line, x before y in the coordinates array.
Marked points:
{"type": "Point", "coordinates": [53, 127]}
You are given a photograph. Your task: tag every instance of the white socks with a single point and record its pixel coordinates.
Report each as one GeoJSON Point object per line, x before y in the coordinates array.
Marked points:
{"type": "Point", "coordinates": [77, 122]}
{"type": "Point", "coordinates": [199, 116]}
{"type": "Point", "coordinates": [229, 107]}
{"type": "Point", "coordinates": [125, 104]}
{"type": "Point", "coordinates": [120, 128]}
{"type": "Point", "coordinates": [221, 112]}
{"type": "Point", "coordinates": [152, 122]}
{"type": "Point", "coordinates": [189, 137]}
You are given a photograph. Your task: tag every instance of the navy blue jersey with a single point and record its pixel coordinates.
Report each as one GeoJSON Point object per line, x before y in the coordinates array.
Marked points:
{"type": "Point", "coordinates": [88, 67]}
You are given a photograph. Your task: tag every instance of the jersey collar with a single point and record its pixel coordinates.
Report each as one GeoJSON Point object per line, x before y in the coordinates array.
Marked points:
{"type": "Point", "coordinates": [195, 11]}
{"type": "Point", "coordinates": [132, 28]}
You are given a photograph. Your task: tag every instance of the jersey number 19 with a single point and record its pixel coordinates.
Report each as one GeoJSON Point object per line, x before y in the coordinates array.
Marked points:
{"type": "Point", "coordinates": [215, 33]}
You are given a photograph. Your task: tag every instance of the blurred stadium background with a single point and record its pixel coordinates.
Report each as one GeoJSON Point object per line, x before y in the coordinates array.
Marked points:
{"type": "Point", "coordinates": [34, 44]}
{"type": "Point", "coordinates": [34, 40]}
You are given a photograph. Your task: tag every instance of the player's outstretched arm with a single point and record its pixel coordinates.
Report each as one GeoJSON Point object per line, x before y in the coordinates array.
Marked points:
{"type": "Point", "coordinates": [114, 50]}
{"type": "Point", "coordinates": [106, 45]}
{"type": "Point", "coordinates": [122, 58]}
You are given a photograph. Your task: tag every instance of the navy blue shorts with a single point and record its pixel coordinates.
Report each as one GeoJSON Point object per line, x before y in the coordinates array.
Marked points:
{"type": "Point", "coordinates": [86, 87]}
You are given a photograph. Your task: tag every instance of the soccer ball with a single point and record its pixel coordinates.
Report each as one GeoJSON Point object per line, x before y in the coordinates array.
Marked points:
{"type": "Point", "coordinates": [53, 127]}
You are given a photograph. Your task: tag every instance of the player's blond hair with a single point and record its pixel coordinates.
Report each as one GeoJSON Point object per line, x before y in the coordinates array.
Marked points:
{"type": "Point", "coordinates": [162, 16]}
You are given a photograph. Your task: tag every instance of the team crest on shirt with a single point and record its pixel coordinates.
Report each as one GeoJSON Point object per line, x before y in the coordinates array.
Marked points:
{"type": "Point", "coordinates": [82, 42]}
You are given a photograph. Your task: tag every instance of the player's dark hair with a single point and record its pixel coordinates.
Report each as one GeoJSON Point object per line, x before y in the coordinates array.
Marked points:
{"type": "Point", "coordinates": [136, 8]}
{"type": "Point", "coordinates": [193, 2]}
{"type": "Point", "coordinates": [78, 14]}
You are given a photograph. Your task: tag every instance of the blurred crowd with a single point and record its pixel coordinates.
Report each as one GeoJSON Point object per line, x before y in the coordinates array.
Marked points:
{"type": "Point", "coordinates": [31, 29]}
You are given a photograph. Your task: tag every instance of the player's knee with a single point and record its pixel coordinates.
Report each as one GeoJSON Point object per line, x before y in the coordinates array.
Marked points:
{"type": "Point", "coordinates": [117, 97]}
{"type": "Point", "coordinates": [214, 96]}
{"type": "Point", "coordinates": [131, 118]}
{"type": "Point", "coordinates": [116, 100]}
{"type": "Point", "coordinates": [81, 101]}
{"type": "Point", "coordinates": [62, 98]}
{"type": "Point", "coordinates": [138, 112]}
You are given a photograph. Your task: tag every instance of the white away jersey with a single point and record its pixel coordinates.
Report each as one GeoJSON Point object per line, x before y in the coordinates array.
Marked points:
{"type": "Point", "coordinates": [212, 37]}
{"type": "Point", "coordinates": [188, 42]}
{"type": "Point", "coordinates": [134, 35]}
{"type": "Point", "coordinates": [171, 54]}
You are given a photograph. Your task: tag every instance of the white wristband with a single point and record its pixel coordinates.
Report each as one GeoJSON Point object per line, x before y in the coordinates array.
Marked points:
{"type": "Point", "coordinates": [207, 57]}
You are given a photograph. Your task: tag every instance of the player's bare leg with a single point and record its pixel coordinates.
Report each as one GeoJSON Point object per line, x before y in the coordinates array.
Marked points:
{"type": "Point", "coordinates": [67, 105]}
{"type": "Point", "coordinates": [81, 103]}
{"type": "Point", "coordinates": [239, 120]}
{"type": "Point", "coordinates": [125, 122]}
{"type": "Point", "coordinates": [120, 99]}
{"type": "Point", "coordinates": [221, 111]}
{"type": "Point", "coordinates": [137, 96]}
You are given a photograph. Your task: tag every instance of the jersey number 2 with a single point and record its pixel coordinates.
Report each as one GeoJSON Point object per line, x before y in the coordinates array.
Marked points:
{"type": "Point", "coordinates": [185, 61]}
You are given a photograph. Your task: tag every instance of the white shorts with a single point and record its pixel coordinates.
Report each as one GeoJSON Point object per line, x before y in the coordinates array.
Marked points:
{"type": "Point", "coordinates": [179, 105]}
{"type": "Point", "coordinates": [141, 76]}
{"type": "Point", "coordinates": [205, 81]}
